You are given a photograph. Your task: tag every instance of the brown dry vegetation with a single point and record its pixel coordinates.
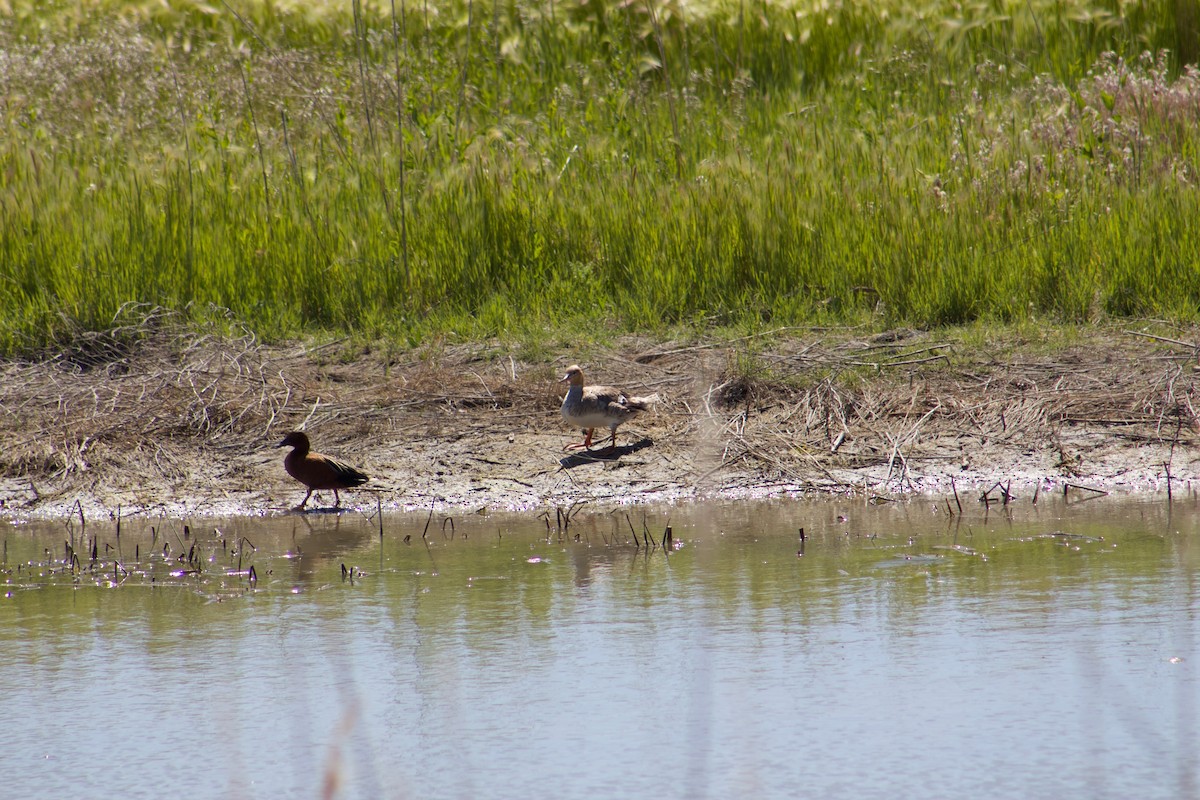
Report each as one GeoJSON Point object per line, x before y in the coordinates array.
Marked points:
{"type": "Point", "coordinates": [157, 417]}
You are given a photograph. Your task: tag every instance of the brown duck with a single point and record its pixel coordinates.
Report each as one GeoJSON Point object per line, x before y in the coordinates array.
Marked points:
{"type": "Point", "coordinates": [317, 471]}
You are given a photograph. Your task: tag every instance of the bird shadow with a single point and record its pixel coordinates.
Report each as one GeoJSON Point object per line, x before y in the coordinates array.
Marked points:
{"type": "Point", "coordinates": [608, 454]}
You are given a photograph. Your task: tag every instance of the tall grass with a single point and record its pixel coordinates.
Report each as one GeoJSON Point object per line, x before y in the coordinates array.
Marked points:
{"type": "Point", "coordinates": [511, 167]}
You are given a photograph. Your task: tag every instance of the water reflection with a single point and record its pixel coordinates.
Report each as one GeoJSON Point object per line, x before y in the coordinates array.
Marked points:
{"type": "Point", "coordinates": [896, 651]}
{"type": "Point", "coordinates": [319, 543]}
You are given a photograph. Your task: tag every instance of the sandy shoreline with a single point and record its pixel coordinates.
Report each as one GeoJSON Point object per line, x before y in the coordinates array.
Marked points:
{"type": "Point", "coordinates": [179, 425]}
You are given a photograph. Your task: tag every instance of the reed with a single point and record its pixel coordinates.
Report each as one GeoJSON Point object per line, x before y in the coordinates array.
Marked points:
{"type": "Point", "coordinates": [459, 170]}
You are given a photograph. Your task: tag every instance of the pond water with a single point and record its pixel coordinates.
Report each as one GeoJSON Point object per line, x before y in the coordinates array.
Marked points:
{"type": "Point", "coordinates": [898, 651]}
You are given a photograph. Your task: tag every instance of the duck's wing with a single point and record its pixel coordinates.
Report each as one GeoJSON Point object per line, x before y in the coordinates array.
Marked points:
{"type": "Point", "coordinates": [607, 400]}
{"type": "Point", "coordinates": [343, 472]}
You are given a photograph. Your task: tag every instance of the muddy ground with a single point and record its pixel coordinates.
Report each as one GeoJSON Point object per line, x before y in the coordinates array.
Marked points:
{"type": "Point", "coordinates": [156, 418]}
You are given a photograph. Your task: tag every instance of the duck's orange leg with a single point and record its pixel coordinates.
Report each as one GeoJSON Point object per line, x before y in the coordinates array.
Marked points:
{"type": "Point", "coordinates": [587, 442]}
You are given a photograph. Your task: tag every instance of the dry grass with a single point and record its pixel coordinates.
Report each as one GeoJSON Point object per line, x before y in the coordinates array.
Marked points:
{"type": "Point", "coordinates": [154, 400]}
{"type": "Point", "coordinates": [155, 404]}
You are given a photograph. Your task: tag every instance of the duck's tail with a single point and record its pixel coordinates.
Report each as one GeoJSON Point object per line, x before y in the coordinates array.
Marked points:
{"type": "Point", "coordinates": [642, 403]}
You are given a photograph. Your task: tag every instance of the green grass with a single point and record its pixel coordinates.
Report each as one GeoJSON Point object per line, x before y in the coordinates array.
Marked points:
{"type": "Point", "coordinates": [520, 168]}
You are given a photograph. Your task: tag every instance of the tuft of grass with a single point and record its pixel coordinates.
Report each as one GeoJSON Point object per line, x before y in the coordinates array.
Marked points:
{"type": "Point", "coordinates": [529, 170]}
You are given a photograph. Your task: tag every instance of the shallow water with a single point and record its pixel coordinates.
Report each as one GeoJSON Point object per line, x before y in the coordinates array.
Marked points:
{"type": "Point", "coordinates": [1045, 651]}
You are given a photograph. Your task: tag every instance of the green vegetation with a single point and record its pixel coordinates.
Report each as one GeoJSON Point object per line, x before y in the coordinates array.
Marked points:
{"type": "Point", "coordinates": [473, 169]}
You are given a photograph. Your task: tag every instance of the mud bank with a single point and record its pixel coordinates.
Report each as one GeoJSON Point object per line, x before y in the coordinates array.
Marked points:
{"type": "Point", "coordinates": [171, 422]}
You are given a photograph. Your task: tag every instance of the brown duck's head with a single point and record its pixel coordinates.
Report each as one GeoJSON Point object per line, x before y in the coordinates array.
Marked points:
{"type": "Point", "coordinates": [297, 439]}
{"type": "Point", "coordinates": [574, 376]}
